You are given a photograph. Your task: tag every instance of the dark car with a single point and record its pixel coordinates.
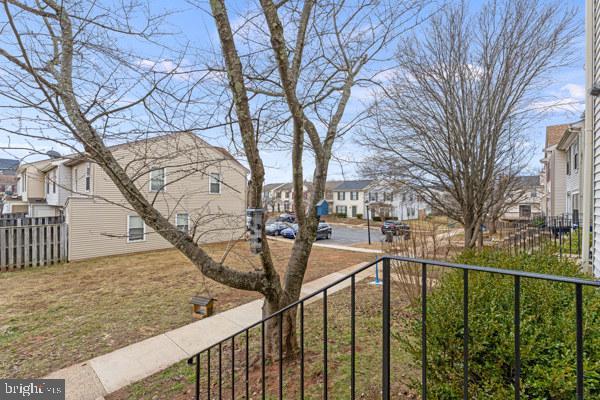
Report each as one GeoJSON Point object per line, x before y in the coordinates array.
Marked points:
{"type": "Point", "coordinates": [324, 231]}
{"type": "Point", "coordinates": [397, 228]}
{"type": "Point", "coordinates": [274, 228]}
{"type": "Point", "coordinates": [290, 232]}
{"type": "Point", "coordinates": [290, 218]}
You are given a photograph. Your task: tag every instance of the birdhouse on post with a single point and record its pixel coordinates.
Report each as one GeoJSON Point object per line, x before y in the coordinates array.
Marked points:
{"type": "Point", "coordinates": [255, 218]}
{"type": "Point", "coordinates": [322, 208]}
{"type": "Point", "coordinates": [202, 307]}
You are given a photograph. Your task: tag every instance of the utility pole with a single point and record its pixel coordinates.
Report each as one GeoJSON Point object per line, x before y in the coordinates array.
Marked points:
{"type": "Point", "coordinates": [368, 224]}
{"type": "Point", "coordinates": [588, 136]}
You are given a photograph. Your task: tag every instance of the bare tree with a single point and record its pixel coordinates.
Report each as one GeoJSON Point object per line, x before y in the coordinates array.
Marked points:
{"type": "Point", "coordinates": [451, 123]}
{"type": "Point", "coordinates": [72, 75]}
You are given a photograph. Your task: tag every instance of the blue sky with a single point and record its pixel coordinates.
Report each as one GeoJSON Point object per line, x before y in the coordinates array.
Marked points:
{"type": "Point", "coordinates": [566, 91]}
{"type": "Point", "coordinates": [196, 26]}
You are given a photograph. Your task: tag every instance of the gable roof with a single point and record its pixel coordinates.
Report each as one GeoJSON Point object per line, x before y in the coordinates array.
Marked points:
{"type": "Point", "coordinates": [529, 181]}
{"type": "Point", "coordinates": [270, 186]}
{"type": "Point", "coordinates": [353, 185]}
{"type": "Point", "coordinates": [8, 164]}
{"type": "Point", "coordinates": [554, 133]}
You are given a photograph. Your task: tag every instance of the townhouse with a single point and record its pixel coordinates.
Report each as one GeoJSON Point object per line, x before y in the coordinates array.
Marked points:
{"type": "Point", "coordinates": [201, 188]}
{"type": "Point", "coordinates": [350, 198]}
{"type": "Point", "coordinates": [527, 199]}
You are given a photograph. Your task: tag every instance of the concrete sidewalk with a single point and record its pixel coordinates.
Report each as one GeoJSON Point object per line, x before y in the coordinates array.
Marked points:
{"type": "Point", "coordinates": [93, 379]}
{"type": "Point", "coordinates": [333, 246]}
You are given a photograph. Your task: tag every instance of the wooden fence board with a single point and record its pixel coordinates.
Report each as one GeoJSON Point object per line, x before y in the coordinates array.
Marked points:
{"type": "Point", "coordinates": [26, 244]}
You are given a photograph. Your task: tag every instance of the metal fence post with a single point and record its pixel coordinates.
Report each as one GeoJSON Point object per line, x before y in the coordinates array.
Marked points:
{"type": "Point", "coordinates": [385, 379]}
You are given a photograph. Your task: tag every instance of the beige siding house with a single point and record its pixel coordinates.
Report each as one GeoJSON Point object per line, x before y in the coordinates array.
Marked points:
{"type": "Point", "coordinates": [555, 171]}
{"type": "Point", "coordinates": [201, 188]}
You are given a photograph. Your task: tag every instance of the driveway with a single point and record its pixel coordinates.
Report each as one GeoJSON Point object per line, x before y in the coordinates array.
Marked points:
{"type": "Point", "coordinates": [349, 235]}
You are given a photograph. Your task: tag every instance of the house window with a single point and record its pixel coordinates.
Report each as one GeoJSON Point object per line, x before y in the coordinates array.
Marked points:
{"type": "Point", "coordinates": [24, 181]}
{"type": "Point", "coordinates": [47, 184]}
{"type": "Point", "coordinates": [341, 210]}
{"type": "Point", "coordinates": [157, 180]}
{"type": "Point", "coordinates": [287, 195]}
{"type": "Point", "coordinates": [135, 228]}
{"type": "Point", "coordinates": [341, 195]}
{"type": "Point", "coordinates": [54, 181]}
{"type": "Point", "coordinates": [88, 177]}
{"type": "Point", "coordinates": [214, 183]}
{"type": "Point", "coordinates": [353, 195]}
{"type": "Point", "coordinates": [524, 211]}
{"type": "Point", "coordinates": [568, 166]}
{"type": "Point", "coordinates": [389, 196]}
{"type": "Point", "coordinates": [183, 222]}
{"type": "Point", "coordinates": [575, 150]}
{"type": "Point", "coordinates": [373, 196]}
{"type": "Point", "coordinates": [75, 177]}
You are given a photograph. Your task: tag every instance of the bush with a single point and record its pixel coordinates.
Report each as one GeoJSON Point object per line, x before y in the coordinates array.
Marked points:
{"type": "Point", "coordinates": [340, 215]}
{"type": "Point", "coordinates": [359, 216]}
{"type": "Point", "coordinates": [548, 343]}
{"type": "Point", "coordinates": [376, 218]}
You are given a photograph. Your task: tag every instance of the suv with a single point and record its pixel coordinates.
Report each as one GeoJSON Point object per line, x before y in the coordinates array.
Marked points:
{"type": "Point", "coordinates": [397, 228]}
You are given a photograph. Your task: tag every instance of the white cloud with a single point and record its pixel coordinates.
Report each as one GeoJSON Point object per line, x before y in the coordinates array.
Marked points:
{"type": "Point", "coordinates": [575, 91]}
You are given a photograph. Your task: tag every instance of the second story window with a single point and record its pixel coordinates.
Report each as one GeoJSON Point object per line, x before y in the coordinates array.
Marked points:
{"type": "Point", "coordinates": [353, 195]}
{"type": "Point", "coordinates": [54, 181]}
{"type": "Point", "coordinates": [24, 181]}
{"type": "Point", "coordinates": [88, 177]}
{"type": "Point", "coordinates": [214, 183]}
{"type": "Point", "coordinates": [157, 180]}
{"type": "Point", "coordinates": [341, 195]}
{"type": "Point", "coordinates": [575, 150]}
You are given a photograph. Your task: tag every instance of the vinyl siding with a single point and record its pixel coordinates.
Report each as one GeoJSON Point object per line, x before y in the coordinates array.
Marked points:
{"type": "Point", "coordinates": [98, 224]}
{"type": "Point", "coordinates": [596, 142]}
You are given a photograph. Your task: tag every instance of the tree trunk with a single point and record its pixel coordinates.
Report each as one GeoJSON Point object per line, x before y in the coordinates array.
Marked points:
{"type": "Point", "coordinates": [289, 339]}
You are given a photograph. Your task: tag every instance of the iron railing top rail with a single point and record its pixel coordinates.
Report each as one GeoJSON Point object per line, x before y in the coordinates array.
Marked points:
{"type": "Point", "coordinates": [509, 272]}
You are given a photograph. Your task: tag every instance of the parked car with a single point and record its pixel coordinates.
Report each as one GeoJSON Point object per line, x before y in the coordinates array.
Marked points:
{"type": "Point", "coordinates": [324, 231]}
{"type": "Point", "coordinates": [274, 228]}
{"type": "Point", "coordinates": [290, 218]}
{"type": "Point", "coordinates": [290, 232]}
{"type": "Point", "coordinates": [397, 228]}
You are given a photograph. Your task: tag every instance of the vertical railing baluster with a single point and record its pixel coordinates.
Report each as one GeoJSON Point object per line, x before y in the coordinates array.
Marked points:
{"type": "Point", "coordinates": [247, 364]}
{"type": "Point", "coordinates": [233, 367]}
{"type": "Point", "coordinates": [352, 337]}
{"type": "Point", "coordinates": [466, 334]}
{"type": "Point", "coordinates": [424, 331]}
{"type": "Point", "coordinates": [325, 383]}
{"type": "Point", "coordinates": [262, 365]}
{"type": "Point", "coordinates": [302, 350]}
{"type": "Point", "coordinates": [579, 321]}
{"type": "Point", "coordinates": [208, 372]}
{"type": "Point", "coordinates": [198, 376]}
{"type": "Point", "coordinates": [220, 370]}
{"type": "Point", "coordinates": [280, 323]}
{"type": "Point", "coordinates": [385, 379]}
{"type": "Point", "coordinates": [517, 317]}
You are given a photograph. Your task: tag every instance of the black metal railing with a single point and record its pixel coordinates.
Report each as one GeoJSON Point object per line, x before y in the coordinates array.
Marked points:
{"type": "Point", "coordinates": [385, 366]}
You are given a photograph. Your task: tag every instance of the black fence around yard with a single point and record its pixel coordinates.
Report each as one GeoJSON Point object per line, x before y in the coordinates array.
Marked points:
{"type": "Point", "coordinates": [239, 372]}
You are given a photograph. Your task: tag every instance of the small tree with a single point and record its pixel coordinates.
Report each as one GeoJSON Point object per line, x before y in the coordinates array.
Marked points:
{"type": "Point", "coordinates": [74, 75]}
{"type": "Point", "coordinates": [450, 124]}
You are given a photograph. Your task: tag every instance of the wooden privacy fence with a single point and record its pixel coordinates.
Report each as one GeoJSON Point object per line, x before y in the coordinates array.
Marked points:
{"type": "Point", "coordinates": [31, 242]}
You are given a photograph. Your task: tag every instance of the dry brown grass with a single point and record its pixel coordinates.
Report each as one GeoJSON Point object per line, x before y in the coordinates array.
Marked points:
{"type": "Point", "coordinates": [56, 316]}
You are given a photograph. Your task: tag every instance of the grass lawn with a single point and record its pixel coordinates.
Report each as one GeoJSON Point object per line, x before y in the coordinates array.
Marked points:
{"type": "Point", "coordinates": [53, 317]}
{"type": "Point", "coordinates": [176, 382]}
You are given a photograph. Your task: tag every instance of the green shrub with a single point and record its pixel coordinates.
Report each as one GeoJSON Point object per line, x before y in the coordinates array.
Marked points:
{"type": "Point", "coordinates": [359, 216]}
{"type": "Point", "coordinates": [340, 215]}
{"type": "Point", "coordinates": [376, 218]}
{"type": "Point", "coordinates": [548, 343]}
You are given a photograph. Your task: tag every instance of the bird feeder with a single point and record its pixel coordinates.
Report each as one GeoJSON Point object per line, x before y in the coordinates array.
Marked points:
{"type": "Point", "coordinates": [255, 218]}
{"type": "Point", "coordinates": [202, 307]}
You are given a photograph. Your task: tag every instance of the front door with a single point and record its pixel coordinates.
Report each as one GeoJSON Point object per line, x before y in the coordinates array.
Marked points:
{"type": "Point", "coordinates": [353, 211]}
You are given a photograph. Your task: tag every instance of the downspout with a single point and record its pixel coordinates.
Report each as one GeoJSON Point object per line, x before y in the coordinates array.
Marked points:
{"type": "Point", "coordinates": [588, 136]}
